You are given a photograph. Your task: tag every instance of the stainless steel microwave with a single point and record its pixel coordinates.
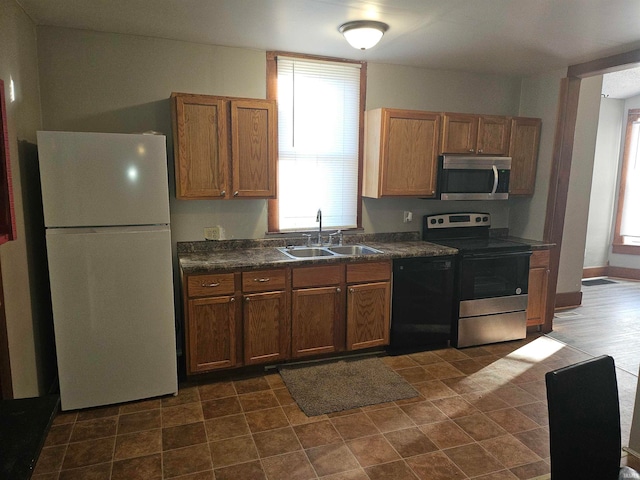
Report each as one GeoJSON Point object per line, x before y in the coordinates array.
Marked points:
{"type": "Point", "coordinates": [473, 177]}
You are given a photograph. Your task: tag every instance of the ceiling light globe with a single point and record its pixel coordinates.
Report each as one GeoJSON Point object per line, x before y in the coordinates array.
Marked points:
{"type": "Point", "coordinates": [363, 34]}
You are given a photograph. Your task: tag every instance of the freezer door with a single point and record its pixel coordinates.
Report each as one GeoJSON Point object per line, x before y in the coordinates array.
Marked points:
{"type": "Point", "coordinates": [113, 309]}
{"type": "Point", "coordinates": [100, 179]}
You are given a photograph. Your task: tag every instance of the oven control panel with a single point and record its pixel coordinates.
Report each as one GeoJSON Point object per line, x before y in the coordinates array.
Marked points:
{"type": "Point", "coordinates": [453, 220]}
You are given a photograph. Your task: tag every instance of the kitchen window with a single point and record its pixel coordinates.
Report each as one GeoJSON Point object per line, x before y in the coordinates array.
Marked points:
{"type": "Point", "coordinates": [320, 135]}
{"type": "Point", "coordinates": [627, 231]}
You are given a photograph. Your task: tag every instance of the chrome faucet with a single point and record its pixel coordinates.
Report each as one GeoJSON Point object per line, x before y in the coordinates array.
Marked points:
{"type": "Point", "coordinates": [319, 220]}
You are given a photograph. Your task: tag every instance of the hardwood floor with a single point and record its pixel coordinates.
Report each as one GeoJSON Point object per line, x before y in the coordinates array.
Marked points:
{"type": "Point", "coordinates": [608, 323]}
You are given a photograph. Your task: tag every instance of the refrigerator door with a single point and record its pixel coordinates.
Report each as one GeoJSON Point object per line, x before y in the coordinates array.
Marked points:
{"type": "Point", "coordinates": [112, 295]}
{"type": "Point", "coordinates": [101, 179]}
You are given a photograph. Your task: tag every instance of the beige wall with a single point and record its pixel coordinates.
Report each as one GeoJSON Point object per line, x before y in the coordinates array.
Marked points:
{"type": "Point", "coordinates": [576, 216]}
{"type": "Point", "coordinates": [603, 185]}
{"type": "Point", "coordinates": [94, 81]}
{"type": "Point", "coordinates": [539, 98]}
{"type": "Point", "coordinates": [121, 83]}
{"type": "Point", "coordinates": [18, 63]}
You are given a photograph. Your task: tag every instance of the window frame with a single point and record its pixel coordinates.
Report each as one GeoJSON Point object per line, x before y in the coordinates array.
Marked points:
{"type": "Point", "coordinates": [618, 240]}
{"type": "Point", "coordinates": [8, 229]}
{"type": "Point", "coordinates": [273, 220]}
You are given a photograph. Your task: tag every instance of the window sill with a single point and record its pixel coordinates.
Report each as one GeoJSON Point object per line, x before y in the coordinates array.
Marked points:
{"type": "Point", "coordinates": [626, 249]}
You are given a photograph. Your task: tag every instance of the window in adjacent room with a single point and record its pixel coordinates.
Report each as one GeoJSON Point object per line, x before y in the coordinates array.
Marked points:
{"type": "Point", "coordinates": [627, 232]}
{"type": "Point", "coordinates": [320, 110]}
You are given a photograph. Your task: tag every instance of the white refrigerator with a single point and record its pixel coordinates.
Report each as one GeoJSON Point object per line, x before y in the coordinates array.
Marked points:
{"type": "Point", "coordinates": [106, 212]}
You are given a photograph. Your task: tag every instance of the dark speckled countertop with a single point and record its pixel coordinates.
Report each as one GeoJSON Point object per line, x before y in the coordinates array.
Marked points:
{"type": "Point", "coordinates": [208, 256]}
{"type": "Point", "coordinates": [204, 257]}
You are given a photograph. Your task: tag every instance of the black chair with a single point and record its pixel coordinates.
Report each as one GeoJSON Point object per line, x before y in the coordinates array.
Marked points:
{"type": "Point", "coordinates": [584, 422]}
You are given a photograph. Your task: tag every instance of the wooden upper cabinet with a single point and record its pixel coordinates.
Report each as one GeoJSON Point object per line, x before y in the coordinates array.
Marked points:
{"type": "Point", "coordinates": [401, 153]}
{"type": "Point", "coordinates": [200, 146]}
{"type": "Point", "coordinates": [254, 148]}
{"type": "Point", "coordinates": [523, 150]}
{"type": "Point", "coordinates": [493, 135]}
{"type": "Point", "coordinates": [224, 147]}
{"type": "Point", "coordinates": [475, 134]}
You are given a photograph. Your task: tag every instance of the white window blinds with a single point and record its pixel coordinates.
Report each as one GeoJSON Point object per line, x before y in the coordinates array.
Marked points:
{"type": "Point", "coordinates": [318, 131]}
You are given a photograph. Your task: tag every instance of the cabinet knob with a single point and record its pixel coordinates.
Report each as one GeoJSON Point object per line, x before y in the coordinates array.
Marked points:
{"type": "Point", "coordinates": [471, 150]}
{"type": "Point", "coordinates": [223, 193]}
{"type": "Point", "coordinates": [210, 285]}
{"type": "Point", "coordinates": [338, 290]}
{"type": "Point", "coordinates": [236, 193]}
{"type": "Point", "coordinates": [246, 299]}
{"type": "Point", "coordinates": [232, 299]}
{"type": "Point", "coordinates": [480, 151]}
{"type": "Point", "coordinates": [351, 290]}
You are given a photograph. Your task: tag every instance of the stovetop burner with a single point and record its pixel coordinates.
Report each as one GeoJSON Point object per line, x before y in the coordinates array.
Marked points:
{"type": "Point", "coordinates": [467, 232]}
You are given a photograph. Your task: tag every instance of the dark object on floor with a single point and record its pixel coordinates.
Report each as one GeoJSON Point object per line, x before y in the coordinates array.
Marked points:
{"type": "Point", "coordinates": [584, 421]}
{"type": "Point", "coordinates": [24, 424]}
{"type": "Point", "coordinates": [341, 385]}
{"type": "Point", "coordinates": [596, 281]}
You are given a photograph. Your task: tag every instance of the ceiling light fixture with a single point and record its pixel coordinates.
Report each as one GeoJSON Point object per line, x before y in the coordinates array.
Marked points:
{"type": "Point", "coordinates": [363, 34]}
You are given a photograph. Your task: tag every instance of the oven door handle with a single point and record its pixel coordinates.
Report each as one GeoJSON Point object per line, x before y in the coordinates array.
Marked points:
{"type": "Point", "coordinates": [496, 254]}
{"type": "Point", "coordinates": [495, 180]}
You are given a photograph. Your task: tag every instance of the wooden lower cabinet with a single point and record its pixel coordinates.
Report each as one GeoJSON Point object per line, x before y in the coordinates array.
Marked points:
{"type": "Point", "coordinates": [538, 281]}
{"type": "Point", "coordinates": [317, 310]}
{"type": "Point", "coordinates": [267, 316]}
{"type": "Point", "coordinates": [368, 305]}
{"type": "Point", "coordinates": [212, 333]}
{"type": "Point", "coordinates": [211, 322]}
{"type": "Point", "coordinates": [266, 327]}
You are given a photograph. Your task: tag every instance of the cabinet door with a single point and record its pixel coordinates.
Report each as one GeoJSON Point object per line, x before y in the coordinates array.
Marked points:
{"type": "Point", "coordinates": [266, 327]}
{"type": "Point", "coordinates": [523, 150]}
{"type": "Point", "coordinates": [459, 133]}
{"type": "Point", "coordinates": [211, 334]}
{"type": "Point", "coordinates": [368, 315]}
{"type": "Point", "coordinates": [316, 320]}
{"type": "Point", "coordinates": [410, 157]}
{"type": "Point", "coordinates": [254, 148]}
{"type": "Point", "coordinates": [538, 281]}
{"type": "Point", "coordinates": [200, 146]}
{"type": "Point", "coordinates": [493, 135]}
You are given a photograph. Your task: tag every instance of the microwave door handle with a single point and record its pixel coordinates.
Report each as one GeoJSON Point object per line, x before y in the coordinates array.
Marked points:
{"type": "Point", "coordinates": [495, 180]}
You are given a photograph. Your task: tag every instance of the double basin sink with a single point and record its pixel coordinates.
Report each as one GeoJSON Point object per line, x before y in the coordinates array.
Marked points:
{"type": "Point", "coordinates": [341, 250]}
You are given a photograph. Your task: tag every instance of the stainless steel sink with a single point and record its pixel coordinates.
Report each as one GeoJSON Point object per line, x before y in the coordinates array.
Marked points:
{"type": "Point", "coordinates": [306, 252]}
{"type": "Point", "coordinates": [313, 252]}
{"type": "Point", "coordinates": [353, 250]}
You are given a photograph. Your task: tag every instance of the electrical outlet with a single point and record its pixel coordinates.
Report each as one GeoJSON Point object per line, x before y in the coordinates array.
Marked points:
{"type": "Point", "coordinates": [407, 217]}
{"type": "Point", "coordinates": [214, 233]}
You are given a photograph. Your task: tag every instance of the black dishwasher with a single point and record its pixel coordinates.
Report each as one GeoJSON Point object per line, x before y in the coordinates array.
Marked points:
{"type": "Point", "coordinates": [423, 304]}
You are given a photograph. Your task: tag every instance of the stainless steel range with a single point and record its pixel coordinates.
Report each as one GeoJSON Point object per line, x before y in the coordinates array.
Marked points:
{"type": "Point", "coordinates": [491, 279]}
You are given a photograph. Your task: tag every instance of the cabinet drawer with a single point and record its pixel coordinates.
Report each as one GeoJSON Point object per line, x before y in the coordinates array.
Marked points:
{"type": "Point", "coordinates": [539, 258]}
{"type": "Point", "coordinates": [209, 285]}
{"type": "Point", "coordinates": [318, 276]}
{"type": "Point", "coordinates": [264, 280]}
{"type": "Point", "coordinates": [368, 272]}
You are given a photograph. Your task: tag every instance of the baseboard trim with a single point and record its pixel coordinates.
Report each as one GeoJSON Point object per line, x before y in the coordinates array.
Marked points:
{"type": "Point", "coordinates": [591, 272]}
{"type": "Point", "coordinates": [624, 272]}
{"type": "Point", "coordinates": [568, 299]}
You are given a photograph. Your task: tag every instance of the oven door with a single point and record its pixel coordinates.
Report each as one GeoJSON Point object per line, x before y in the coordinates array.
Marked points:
{"type": "Point", "coordinates": [493, 298]}
{"type": "Point", "coordinates": [491, 275]}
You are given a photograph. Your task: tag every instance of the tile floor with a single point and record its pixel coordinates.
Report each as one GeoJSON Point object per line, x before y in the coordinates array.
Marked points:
{"type": "Point", "coordinates": [481, 414]}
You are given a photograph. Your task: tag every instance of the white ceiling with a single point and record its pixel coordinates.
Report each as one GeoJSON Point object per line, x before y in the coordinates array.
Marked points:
{"type": "Point", "coordinates": [513, 37]}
